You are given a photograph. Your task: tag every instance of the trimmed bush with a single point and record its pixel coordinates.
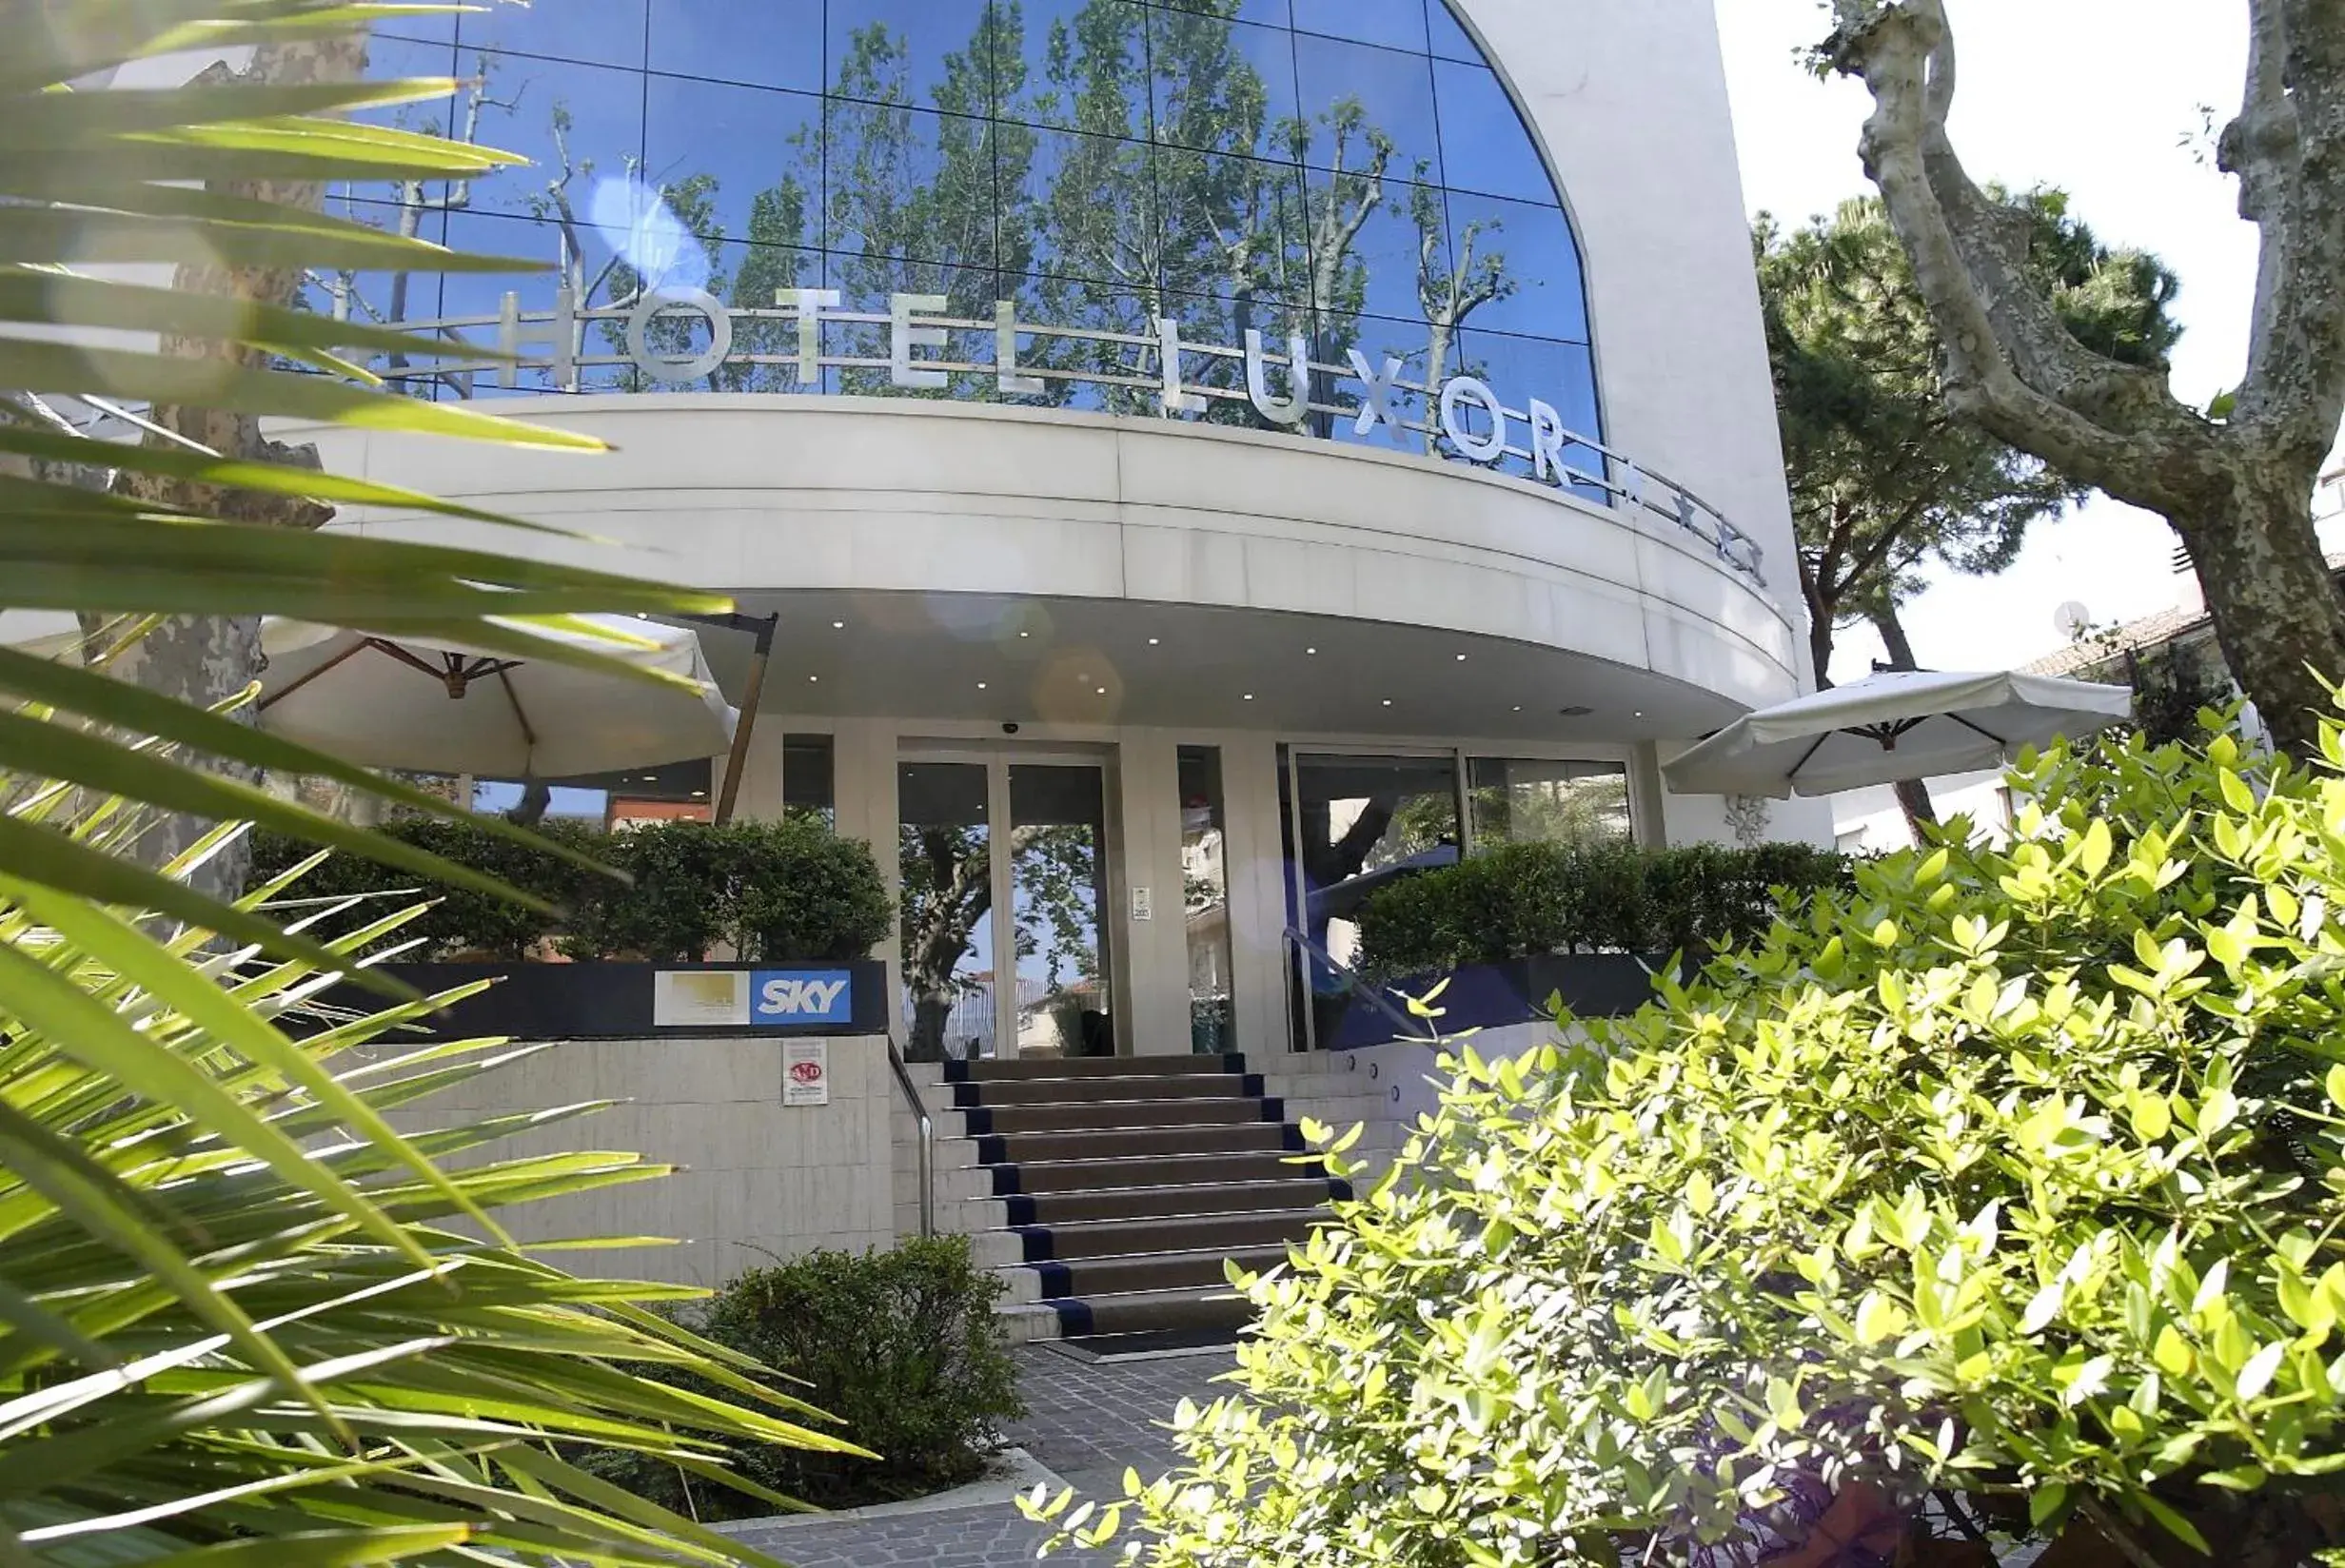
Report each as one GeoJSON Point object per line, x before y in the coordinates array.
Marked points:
{"type": "Point", "coordinates": [2006, 1183]}
{"type": "Point", "coordinates": [462, 921]}
{"type": "Point", "coordinates": [770, 890]}
{"type": "Point", "coordinates": [1521, 900]}
{"type": "Point", "coordinates": [902, 1346]}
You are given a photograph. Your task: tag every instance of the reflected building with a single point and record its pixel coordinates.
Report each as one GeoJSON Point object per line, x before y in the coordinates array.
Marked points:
{"type": "Point", "coordinates": [1210, 459]}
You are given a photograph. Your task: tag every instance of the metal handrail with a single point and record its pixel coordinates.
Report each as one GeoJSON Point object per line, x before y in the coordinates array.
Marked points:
{"type": "Point", "coordinates": [928, 1141]}
{"type": "Point", "coordinates": [1354, 984]}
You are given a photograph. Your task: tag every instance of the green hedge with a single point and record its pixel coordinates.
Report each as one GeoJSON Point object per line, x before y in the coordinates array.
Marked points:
{"type": "Point", "coordinates": [1525, 899]}
{"type": "Point", "coordinates": [901, 1345]}
{"type": "Point", "coordinates": [771, 890]}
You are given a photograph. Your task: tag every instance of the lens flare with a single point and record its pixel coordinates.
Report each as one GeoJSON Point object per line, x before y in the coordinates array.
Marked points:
{"type": "Point", "coordinates": [635, 220]}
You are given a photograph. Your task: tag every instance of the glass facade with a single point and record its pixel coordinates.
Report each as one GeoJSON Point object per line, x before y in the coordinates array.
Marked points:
{"type": "Point", "coordinates": [1347, 169]}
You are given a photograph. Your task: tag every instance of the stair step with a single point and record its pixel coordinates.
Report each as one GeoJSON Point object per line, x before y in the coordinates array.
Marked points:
{"type": "Point", "coordinates": [1126, 1086]}
{"type": "Point", "coordinates": [1155, 1172]}
{"type": "Point", "coordinates": [1214, 1306]}
{"type": "Point", "coordinates": [1090, 1066]}
{"type": "Point", "coordinates": [1289, 1190]}
{"type": "Point", "coordinates": [1111, 1115]}
{"type": "Point", "coordinates": [1043, 1147]}
{"type": "Point", "coordinates": [1172, 1233]}
{"type": "Point", "coordinates": [1093, 1277]}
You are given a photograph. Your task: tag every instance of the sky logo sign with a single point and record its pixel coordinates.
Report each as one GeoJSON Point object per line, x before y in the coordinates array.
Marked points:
{"type": "Point", "coordinates": [790, 997]}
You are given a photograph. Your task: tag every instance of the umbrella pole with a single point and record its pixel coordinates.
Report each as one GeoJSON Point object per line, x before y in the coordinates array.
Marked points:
{"type": "Point", "coordinates": [730, 797]}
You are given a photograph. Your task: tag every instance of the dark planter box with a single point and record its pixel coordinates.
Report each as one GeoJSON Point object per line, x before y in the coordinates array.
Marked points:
{"type": "Point", "coordinates": [610, 1001]}
{"type": "Point", "coordinates": [1487, 996]}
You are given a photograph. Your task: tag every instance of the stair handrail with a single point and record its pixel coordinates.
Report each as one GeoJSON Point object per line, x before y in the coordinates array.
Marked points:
{"type": "Point", "coordinates": [928, 1140]}
{"type": "Point", "coordinates": [1354, 984]}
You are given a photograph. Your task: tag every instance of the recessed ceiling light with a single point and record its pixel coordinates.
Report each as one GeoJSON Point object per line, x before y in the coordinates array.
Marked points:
{"type": "Point", "coordinates": [1025, 633]}
{"type": "Point", "coordinates": [1103, 691]}
{"type": "Point", "coordinates": [838, 626]}
{"type": "Point", "coordinates": [1518, 707]}
{"type": "Point", "coordinates": [699, 794]}
{"type": "Point", "coordinates": [1249, 697]}
{"type": "Point", "coordinates": [1461, 658]}
{"type": "Point", "coordinates": [1155, 641]}
{"type": "Point", "coordinates": [1640, 713]}
{"type": "Point", "coordinates": [980, 685]}
{"type": "Point", "coordinates": [1310, 650]}
{"type": "Point", "coordinates": [1388, 702]}
{"type": "Point", "coordinates": [812, 680]}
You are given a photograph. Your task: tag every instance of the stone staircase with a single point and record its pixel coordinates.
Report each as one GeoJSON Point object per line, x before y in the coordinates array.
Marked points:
{"type": "Point", "coordinates": [1110, 1193]}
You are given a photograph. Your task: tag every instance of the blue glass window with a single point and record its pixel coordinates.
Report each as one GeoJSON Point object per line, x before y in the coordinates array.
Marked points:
{"type": "Point", "coordinates": [706, 38]}
{"type": "Point", "coordinates": [1533, 252]}
{"type": "Point", "coordinates": [601, 33]}
{"type": "Point", "coordinates": [1484, 147]}
{"type": "Point", "coordinates": [1393, 24]}
{"type": "Point", "coordinates": [1354, 95]}
{"type": "Point", "coordinates": [392, 59]}
{"type": "Point", "coordinates": [736, 163]}
{"type": "Point", "coordinates": [1355, 166]}
{"type": "Point", "coordinates": [1078, 65]}
{"type": "Point", "coordinates": [1082, 207]}
{"type": "Point", "coordinates": [1222, 86]}
{"type": "Point", "coordinates": [1384, 253]}
{"type": "Point", "coordinates": [578, 126]}
{"type": "Point", "coordinates": [930, 52]}
{"type": "Point", "coordinates": [1450, 39]}
{"type": "Point", "coordinates": [906, 183]}
{"type": "Point", "coordinates": [1234, 227]}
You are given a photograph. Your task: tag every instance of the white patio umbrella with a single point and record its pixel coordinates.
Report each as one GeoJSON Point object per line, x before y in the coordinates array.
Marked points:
{"type": "Point", "coordinates": [1902, 724]}
{"type": "Point", "coordinates": [444, 708]}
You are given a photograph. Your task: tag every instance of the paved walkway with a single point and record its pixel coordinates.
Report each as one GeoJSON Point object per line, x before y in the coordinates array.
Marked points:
{"type": "Point", "coordinates": [1087, 1421]}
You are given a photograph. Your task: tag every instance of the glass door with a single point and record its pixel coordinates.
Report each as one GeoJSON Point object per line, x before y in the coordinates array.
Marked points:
{"type": "Point", "coordinates": [1006, 871]}
{"type": "Point", "coordinates": [945, 855]}
{"type": "Point", "coordinates": [1058, 902]}
{"type": "Point", "coordinates": [1354, 824]}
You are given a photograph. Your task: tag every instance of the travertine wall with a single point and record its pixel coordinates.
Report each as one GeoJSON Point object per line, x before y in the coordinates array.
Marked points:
{"type": "Point", "coordinates": [758, 1177]}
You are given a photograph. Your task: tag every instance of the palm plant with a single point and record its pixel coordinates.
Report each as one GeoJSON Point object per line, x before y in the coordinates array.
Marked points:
{"type": "Point", "coordinates": [243, 1319]}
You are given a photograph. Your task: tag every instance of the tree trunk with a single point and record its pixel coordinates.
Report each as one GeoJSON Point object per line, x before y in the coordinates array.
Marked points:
{"type": "Point", "coordinates": [205, 660]}
{"type": "Point", "coordinates": [1913, 796]}
{"type": "Point", "coordinates": [2276, 613]}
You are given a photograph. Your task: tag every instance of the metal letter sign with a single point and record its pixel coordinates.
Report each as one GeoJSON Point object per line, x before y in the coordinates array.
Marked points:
{"type": "Point", "coordinates": [916, 327]}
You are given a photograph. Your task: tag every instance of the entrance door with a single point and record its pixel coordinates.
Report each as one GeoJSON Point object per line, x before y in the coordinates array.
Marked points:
{"type": "Point", "coordinates": [1006, 865]}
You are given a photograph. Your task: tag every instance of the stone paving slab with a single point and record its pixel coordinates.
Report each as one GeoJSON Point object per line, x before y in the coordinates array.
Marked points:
{"type": "Point", "coordinates": [994, 1536]}
{"type": "Point", "coordinates": [1087, 1421]}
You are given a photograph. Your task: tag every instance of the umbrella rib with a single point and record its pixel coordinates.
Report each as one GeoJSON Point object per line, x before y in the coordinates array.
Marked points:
{"type": "Point", "coordinates": [1808, 755]}
{"type": "Point", "coordinates": [351, 652]}
{"type": "Point", "coordinates": [504, 678]}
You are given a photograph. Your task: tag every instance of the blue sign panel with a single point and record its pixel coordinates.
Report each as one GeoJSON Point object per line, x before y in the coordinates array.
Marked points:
{"type": "Point", "coordinates": [782, 998]}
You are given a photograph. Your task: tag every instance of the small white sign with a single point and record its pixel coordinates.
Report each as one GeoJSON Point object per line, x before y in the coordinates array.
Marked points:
{"type": "Point", "coordinates": [1143, 904]}
{"type": "Point", "coordinates": [806, 1073]}
{"type": "Point", "coordinates": [701, 999]}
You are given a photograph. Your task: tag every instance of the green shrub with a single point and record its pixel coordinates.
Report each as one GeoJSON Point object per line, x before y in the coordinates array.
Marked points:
{"type": "Point", "coordinates": [903, 1342]}
{"type": "Point", "coordinates": [790, 889]}
{"type": "Point", "coordinates": [462, 921]}
{"type": "Point", "coordinates": [1524, 899]}
{"type": "Point", "coordinates": [812, 895]}
{"type": "Point", "coordinates": [2015, 1174]}
{"type": "Point", "coordinates": [771, 890]}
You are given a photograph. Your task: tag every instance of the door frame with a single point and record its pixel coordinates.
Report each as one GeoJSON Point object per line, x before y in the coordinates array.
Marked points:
{"type": "Point", "coordinates": [998, 758]}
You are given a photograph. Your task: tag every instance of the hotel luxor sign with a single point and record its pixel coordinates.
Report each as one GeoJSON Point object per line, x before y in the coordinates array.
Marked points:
{"type": "Point", "coordinates": [1466, 412]}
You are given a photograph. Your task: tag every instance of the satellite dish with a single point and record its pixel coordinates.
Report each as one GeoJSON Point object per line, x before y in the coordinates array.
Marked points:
{"type": "Point", "coordinates": [2073, 620]}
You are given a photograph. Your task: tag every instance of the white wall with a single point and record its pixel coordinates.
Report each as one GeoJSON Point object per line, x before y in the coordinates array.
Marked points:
{"type": "Point", "coordinates": [769, 1178]}
{"type": "Point", "coordinates": [1871, 822]}
{"type": "Point", "coordinates": [1630, 99]}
